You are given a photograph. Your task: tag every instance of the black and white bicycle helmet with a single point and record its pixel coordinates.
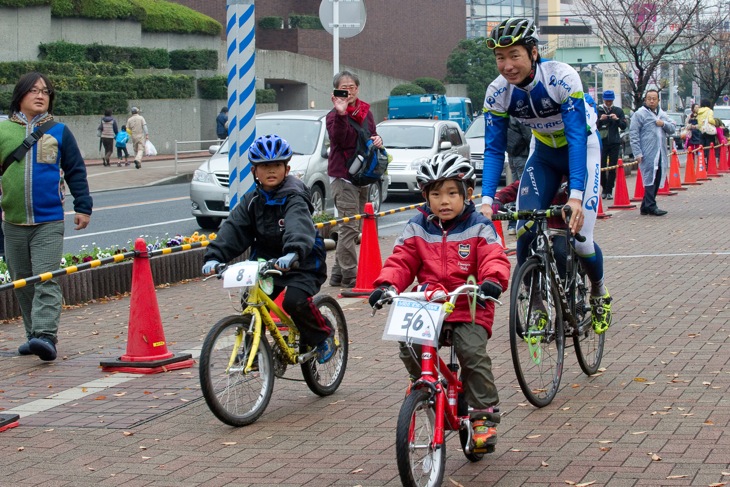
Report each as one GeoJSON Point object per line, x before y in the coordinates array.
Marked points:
{"type": "Point", "coordinates": [513, 31]}
{"type": "Point", "coordinates": [445, 166]}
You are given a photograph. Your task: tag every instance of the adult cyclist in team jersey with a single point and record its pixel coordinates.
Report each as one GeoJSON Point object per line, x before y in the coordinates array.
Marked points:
{"type": "Point", "coordinates": [547, 97]}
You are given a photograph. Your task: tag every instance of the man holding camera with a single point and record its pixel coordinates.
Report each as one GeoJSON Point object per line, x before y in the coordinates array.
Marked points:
{"type": "Point", "coordinates": [349, 199]}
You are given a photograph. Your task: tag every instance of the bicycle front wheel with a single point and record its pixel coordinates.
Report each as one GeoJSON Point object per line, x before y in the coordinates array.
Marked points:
{"type": "Point", "coordinates": [324, 379]}
{"type": "Point", "coordinates": [588, 345]}
{"type": "Point", "coordinates": [536, 334]}
{"type": "Point", "coordinates": [235, 397]}
{"type": "Point", "coordinates": [420, 462]}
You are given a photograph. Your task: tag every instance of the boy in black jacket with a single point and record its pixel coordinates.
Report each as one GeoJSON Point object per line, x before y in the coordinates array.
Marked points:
{"type": "Point", "coordinates": [275, 221]}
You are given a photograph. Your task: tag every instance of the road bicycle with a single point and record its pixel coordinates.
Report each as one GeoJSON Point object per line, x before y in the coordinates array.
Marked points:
{"type": "Point", "coordinates": [435, 407]}
{"type": "Point", "coordinates": [546, 308]}
{"type": "Point", "coordinates": [238, 363]}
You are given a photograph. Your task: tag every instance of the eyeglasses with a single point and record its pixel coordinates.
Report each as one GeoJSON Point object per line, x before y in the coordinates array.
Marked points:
{"type": "Point", "coordinates": [45, 91]}
{"type": "Point", "coordinates": [502, 41]}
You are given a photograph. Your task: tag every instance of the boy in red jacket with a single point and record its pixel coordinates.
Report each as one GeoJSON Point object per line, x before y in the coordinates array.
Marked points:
{"type": "Point", "coordinates": [443, 246]}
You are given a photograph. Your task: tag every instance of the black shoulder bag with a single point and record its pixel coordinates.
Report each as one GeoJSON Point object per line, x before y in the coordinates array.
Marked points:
{"type": "Point", "coordinates": [19, 153]}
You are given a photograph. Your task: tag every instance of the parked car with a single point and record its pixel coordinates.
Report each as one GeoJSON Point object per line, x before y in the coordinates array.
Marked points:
{"type": "Point", "coordinates": [678, 119]}
{"type": "Point", "coordinates": [412, 141]}
{"type": "Point", "coordinates": [723, 113]}
{"type": "Point", "coordinates": [475, 139]}
{"type": "Point", "coordinates": [306, 132]}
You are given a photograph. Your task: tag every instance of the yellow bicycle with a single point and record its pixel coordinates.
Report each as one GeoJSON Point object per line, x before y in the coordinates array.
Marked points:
{"type": "Point", "coordinates": [238, 363]}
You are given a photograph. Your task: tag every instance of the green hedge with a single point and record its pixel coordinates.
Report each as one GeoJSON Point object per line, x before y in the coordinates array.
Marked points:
{"type": "Point", "coordinates": [194, 59]}
{"type": "Point", "coordinates": [99, 9]}
{"type": "Point", "coordinates": [138, 57]}
{"type": "Point", "coordinates": [151, 86]}
{"type": "Point", "coordinates": [302, 21]}
{"type": "Point", "coordinates": [11, 72]}
{"type": "Point", "coordinates": [79, 102]}
{"type": "Point", "coordinates": [431, 85]}
{"type": "Point", "coordinates": [165, 16]}
{"type": "Point", "coordinates": [24, 3]}
{"type": "Point", "coordinates": [215, 88]}
{"type": "Point", "coordinates": [407, 89]}
{"type": "Point", "coordinates": [270, 23]}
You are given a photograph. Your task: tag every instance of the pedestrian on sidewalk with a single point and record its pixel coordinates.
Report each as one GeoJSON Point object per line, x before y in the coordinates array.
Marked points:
{"type": "Point", "coordinates": [650, 127]}
{"type": "Point", "coordinates": [108, 132]}
{"type": "Point", "coordinates": [611, 119]}
{"type": "Point", "coordinates": [221, 124]}
{"type": "Point", "coordinates": [137, 125]}
{"type": "Point", "coordinates": [121, 142]}
{"type": "Point", "coordinates": [32, 206]}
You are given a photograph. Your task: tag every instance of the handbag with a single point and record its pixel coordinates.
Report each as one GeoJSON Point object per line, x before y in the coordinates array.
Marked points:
{"type": "Point", "coordinates": [19, 153]}
{"type": "Point", "coordinates": [707, 127]}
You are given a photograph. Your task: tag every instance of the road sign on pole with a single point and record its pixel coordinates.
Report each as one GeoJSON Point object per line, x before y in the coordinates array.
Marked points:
{"type": "Point", "coordinates": [341, 18]}
{"type": "Point", "coordinates": [241, 95]}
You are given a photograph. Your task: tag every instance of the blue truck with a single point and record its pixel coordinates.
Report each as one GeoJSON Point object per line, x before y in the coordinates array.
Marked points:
{"type": "Point", "coordinates": [456, 108]}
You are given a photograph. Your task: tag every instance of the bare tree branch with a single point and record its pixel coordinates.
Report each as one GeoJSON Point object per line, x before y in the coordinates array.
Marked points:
{"type": "Point", "coordinates": [712, 65]}
{"type": "Point", "coordinates": [641, 35]}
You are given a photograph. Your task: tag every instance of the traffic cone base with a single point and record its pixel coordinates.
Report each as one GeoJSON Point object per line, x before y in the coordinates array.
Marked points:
{"type": "Point", "coordinates": [665, 190]}
{"type": "Point", "coordinates": [723, 160]}
{"type": "Point", "coordinates": [701, 167]}
{"type": "Point", "coordinates": [146, 346]}
{"type": "Point", "coordinates": [712, 164]}
{"type": "Point", "coordinates": [621, 199]}
{"type": "Point", "coordinates": [369, 263]}
{"type": "Point", "coordinates": [8, 421]}
{"type": "Point", "coordinates": [638, 187]}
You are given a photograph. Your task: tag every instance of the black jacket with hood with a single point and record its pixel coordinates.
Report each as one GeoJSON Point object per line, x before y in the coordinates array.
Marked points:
{"type": "Point", "coordinates": [274, 224]}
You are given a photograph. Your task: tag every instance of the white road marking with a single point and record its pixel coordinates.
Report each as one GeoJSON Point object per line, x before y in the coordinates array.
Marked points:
{"type": "Point", "coordinates": [131, 205]}
{"type": "Point", "coordinates": [116, 230]}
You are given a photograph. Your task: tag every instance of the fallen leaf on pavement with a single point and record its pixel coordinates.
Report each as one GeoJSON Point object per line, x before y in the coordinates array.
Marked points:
{"type": "Point", "coordinates": [357, 470]}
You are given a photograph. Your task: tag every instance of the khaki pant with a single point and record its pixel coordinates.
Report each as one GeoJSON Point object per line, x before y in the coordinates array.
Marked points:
{"type": "Point", "coordinates": [349, 200]}
{"type": "Point", "coordinates": [470, 343]}
{"type": "Point", "coordinates": [138, 149]}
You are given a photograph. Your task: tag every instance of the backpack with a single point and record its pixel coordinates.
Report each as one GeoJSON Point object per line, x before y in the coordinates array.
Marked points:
{"type": "Point", "coordinates": [122, 138]}
{"type": "Point", "coordinates": [366, 165]}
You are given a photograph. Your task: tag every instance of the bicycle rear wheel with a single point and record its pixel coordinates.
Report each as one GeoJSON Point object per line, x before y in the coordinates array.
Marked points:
{"type": "Point", "coordinates": [537, 341]}
{"type": "Point", "coordinates": [419, 464]}
{"type": "Point", "coordinates": [324, 379]}
{"type": "Point", "coordinates": [588, 345]}
{"type": "Point", "coordinates": [235, 397]}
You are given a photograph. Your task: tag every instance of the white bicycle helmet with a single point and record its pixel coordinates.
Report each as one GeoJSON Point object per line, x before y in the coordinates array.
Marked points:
{"type": "Point", "coordinates": [445, 166]}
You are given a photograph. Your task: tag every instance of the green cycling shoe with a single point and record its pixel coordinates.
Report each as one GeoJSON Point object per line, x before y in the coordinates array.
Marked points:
{"type": "Point", "coordinates": [601, 312]}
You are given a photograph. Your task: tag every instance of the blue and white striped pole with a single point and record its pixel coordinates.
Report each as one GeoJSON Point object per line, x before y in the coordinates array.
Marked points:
{"type": "Point", "coordinates": [241, 95]}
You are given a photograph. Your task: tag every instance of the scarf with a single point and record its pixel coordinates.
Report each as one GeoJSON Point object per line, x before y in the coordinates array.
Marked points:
{"type": "Point", "coordinates": [358, 111]}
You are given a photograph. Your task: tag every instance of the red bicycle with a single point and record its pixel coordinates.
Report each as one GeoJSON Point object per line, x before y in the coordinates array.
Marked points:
{"type": "Point", "coordinates": [434, 407]}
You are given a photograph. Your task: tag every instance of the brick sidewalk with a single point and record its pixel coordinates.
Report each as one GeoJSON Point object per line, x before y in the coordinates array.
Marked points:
{"type": "Point", "coordinates": [657, 415]}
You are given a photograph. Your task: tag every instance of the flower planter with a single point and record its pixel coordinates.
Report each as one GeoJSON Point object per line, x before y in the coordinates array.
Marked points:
{"type": "Point", "coordinates": [113, 279]}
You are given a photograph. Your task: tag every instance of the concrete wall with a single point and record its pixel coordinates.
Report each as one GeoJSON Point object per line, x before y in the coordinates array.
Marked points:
{"type": "Point", "coordinates": [21, 30]}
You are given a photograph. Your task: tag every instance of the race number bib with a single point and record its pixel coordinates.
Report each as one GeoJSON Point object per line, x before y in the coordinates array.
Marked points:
{"type": "Point", "coordinates": [414, 321]}
{"type": "Point", "coordinates": [242, 274]}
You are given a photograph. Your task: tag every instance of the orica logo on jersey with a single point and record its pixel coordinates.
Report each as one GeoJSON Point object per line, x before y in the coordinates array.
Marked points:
{"type": "Point", "coordinates": [592, 203]}
{"type": "Point", "coordinates": [554, 81]}
{"type": "Point", "coordinates": [490, 100]}
{"type": "Point", "coordinates": [464, 250]}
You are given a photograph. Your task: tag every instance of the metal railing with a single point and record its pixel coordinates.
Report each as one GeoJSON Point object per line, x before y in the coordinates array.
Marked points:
{"type": "Point", "coordinates": [197, 153]}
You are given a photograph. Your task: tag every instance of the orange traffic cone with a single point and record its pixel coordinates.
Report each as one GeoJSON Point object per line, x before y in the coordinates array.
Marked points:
{"type": "Point", "coordinates": [8, 421]}
{"type": "Point", "coordinates": [724, 165]}
{"type": "Point", "coordinates": [146, 346]}
{"type": "Point", "coordinates": [500, 233]}
{"type": "Point", "coordinates": [701, 167]}
{"type": "Point", "coordinates": [621, 201]}
{"type": "Point", "coordinates": [712, 164]}
{"type": "Point", "coordinates": [690, 177]}
{"type": "Point", "coordinates": [675, 183]}
{"type": "Point", "coordinates": [601, 214]}
{"type": "Point", "coordinates": [369, 263]}
{"type": "Point", "coordinates": [638, 187]}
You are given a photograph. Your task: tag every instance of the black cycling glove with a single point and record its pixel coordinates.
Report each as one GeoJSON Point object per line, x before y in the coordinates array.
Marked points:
{"type": "Point", "coordinates": [377, 295]}
{"type": "Point", "coordinates": [491, 289]}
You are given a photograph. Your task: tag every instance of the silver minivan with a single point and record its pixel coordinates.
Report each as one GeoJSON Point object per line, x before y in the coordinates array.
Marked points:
{"type": "Point", "coordinates": [306, 132]}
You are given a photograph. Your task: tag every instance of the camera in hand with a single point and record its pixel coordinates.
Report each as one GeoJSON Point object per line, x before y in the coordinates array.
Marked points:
{"type": "Point", "coordinates": [341, 93]}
